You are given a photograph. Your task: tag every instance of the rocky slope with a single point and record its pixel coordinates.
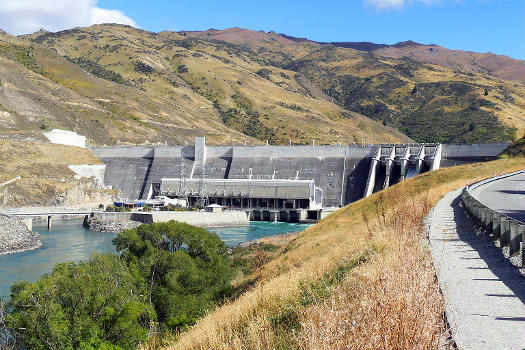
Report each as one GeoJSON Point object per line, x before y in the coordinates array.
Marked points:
{"type": "Point", "coordinates": [15, 237]}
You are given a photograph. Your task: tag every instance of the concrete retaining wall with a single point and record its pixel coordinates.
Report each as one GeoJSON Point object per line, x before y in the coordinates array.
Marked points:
{"type": "Point", "coordinates": [201, 219]}
{"type": "Point", "coordinates": [95, 171]}
{"type": "Point", "coordinates": [457, 154]}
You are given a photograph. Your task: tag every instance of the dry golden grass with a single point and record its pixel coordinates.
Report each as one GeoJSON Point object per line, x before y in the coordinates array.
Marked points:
{"type": "Point", "coordinates": [43, 167]}
{"type": "Point", "coordinates": [391, 303]}
{"type": "Point", "coordinates": [360, 278]}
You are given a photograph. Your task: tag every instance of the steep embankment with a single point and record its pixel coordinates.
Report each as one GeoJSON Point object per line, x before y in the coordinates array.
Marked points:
{"type": "Point", "coordinates": [46, 178]}
{"type": "Point", "coordinates": [119, 84]}
{"type": "Point", "coordinates": [360, 278]}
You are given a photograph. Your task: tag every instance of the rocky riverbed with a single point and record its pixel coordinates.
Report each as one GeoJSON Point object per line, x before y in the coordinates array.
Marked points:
{"type": "Point", "coordinates": [108, 225]}
{"type": "Point", "coordinates": [15, 237]}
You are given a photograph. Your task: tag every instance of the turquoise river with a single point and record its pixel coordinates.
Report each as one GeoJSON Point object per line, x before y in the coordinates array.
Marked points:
{"type": "Point", "coordinates": [69, 241]}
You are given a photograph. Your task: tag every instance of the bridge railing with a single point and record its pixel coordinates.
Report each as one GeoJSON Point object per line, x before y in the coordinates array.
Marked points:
{"type": "Point", "coordinates": [508, 231]}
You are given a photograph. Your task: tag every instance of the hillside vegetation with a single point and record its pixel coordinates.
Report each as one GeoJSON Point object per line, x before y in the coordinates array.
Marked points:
{"type": "Point", "coordinates": [499, 66]}
{"type": "Point", "coordinates": [118, 84]}
{"type": "Point", "coordinates": [46, 178]}
{"type": "Point", "coordinates": [428, 102]}
{"type": "Point", "coordinates": [516, 149]}
{"type": "Point", "coordinates": [360, 278]}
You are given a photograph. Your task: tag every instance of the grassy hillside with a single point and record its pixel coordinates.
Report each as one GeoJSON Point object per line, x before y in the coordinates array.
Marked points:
{"type": "Point", "coordinates": [46, 178]}
{"type": "Point", "coordinates": [499, 66]}
{"type": "Point", "coordinates": [40, 90]}
{"type": "Point", "coordinates": [428, 102]}
{"type": "Point", "coordinates": [118, 84]}
{"type": "Point", "coordinates": [516, 149]}
{"type": "Point", "coordinates": [360, 278]}
{"type": "Point", "coordinates": [128, 85]}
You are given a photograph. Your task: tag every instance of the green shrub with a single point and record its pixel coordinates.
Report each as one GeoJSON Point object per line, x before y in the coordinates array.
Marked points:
{"type": "Point", "coordinates": [186, 268]}
{"type": "Point", "coordinates": [88, 305]}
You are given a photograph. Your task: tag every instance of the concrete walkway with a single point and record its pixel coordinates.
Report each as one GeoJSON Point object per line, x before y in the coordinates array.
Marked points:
{"type": "Point", "coordinates": [484, 293]}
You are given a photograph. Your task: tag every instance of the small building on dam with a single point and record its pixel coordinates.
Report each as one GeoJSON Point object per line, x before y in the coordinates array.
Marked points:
{"type": "Point", "coordinates": [276, 183]}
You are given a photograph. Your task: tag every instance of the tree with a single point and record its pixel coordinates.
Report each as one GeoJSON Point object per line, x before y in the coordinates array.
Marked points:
{"type": "Point", "coordinates": [186, 268]}
{"type": "Point", "coordinates": [89, 305]}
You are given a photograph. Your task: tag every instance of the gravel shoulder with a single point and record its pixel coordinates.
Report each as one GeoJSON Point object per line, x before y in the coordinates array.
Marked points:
{"type": "Point", "coordinates": [484, 293]}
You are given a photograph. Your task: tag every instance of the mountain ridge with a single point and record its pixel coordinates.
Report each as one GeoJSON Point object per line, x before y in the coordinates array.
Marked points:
{"type": "Point", "coordinates": [126, 85]}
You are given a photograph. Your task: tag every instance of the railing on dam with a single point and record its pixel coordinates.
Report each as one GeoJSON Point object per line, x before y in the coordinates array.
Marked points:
{"type": "Point", "coordinates": [508, 231]}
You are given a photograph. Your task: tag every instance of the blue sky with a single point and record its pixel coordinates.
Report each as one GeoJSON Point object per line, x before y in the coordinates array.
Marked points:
{"type": "Point", "coordinates": [478, 25]}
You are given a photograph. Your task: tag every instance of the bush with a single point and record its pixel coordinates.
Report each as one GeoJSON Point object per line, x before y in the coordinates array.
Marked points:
{"type": "Point", "coordinates": [114, 208]}
{"type": "Point", "coordinates": [87, 305]}
{"type": "Point", "coordinates": [186, 268]}
{"type": "Point", "coordinates": [182, 69]}
{"type": "Point", "coordinates": [169, 272]}
{"type": "Point", "coordinates": [142, 67]}
{"type": "Point", "coordinates": [265, 73]}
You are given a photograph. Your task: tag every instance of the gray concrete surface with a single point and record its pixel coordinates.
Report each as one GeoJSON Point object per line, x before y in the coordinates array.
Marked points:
{"type": "Point", "coordinates": [484, 293]}
{"type": "Point", "coordinates": [341, 171]}
{"type": "Point", "coordinates": [505, 195]}
{"type": "Point", "coordinates": [201, 219]}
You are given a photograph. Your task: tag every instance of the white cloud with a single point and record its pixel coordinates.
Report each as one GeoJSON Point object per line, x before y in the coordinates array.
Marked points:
{"type": "Point", "coordinates": [386, 4]}
{"type": "Point", "coordinates": [27, 16]}
{"type": "Point", "coordinates": [99, 15]}
{"type": "Point", "coordinates": [396, 4]}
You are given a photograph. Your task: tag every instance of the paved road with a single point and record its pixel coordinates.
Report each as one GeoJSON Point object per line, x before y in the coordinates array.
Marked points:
{"type": "Point", "coordinates": [506, 196]}
{"type": "Point", "coordinates": [484, 293]}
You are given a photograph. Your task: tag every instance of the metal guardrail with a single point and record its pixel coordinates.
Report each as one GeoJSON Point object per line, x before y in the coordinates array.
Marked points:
{"type": "Point", "coordinates": [508, 231]}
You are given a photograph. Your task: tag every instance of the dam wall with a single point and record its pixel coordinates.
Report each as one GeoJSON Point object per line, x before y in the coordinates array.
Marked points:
{"type": "Point", "coordinates": [457, 154]}
{"type": "Point", "coordinates": [342, 172]}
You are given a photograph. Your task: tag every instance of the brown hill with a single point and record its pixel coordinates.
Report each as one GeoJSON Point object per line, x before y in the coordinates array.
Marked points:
{"type": "Point", "coordinates": [499, 66]}
{"type": "Point", "coordinates": [118, 84]}
{"type": "Point", "coordinates": [429, 102]}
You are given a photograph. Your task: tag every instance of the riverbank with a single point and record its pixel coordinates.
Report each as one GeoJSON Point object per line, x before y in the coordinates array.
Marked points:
{"type": "Point", "coordinates": [110, 225]}
{"type": "Point", "coordinates": [15, 237]}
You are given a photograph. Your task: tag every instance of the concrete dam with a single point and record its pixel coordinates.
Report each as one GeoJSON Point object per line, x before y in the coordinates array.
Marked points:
{"type": "Point", "coordinates": [281, 183]}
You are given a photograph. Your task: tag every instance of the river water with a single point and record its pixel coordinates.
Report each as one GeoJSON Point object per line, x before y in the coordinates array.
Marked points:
{"type": "Point", "coordinates": [69, 241]}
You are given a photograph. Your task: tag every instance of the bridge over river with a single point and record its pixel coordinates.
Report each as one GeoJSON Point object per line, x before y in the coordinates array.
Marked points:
{"type": "Point", "coordinates": [27, 215]}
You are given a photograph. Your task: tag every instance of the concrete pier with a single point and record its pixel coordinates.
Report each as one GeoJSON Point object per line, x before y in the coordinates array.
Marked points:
{"type": "Point", "coordinates": [201, 219]}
